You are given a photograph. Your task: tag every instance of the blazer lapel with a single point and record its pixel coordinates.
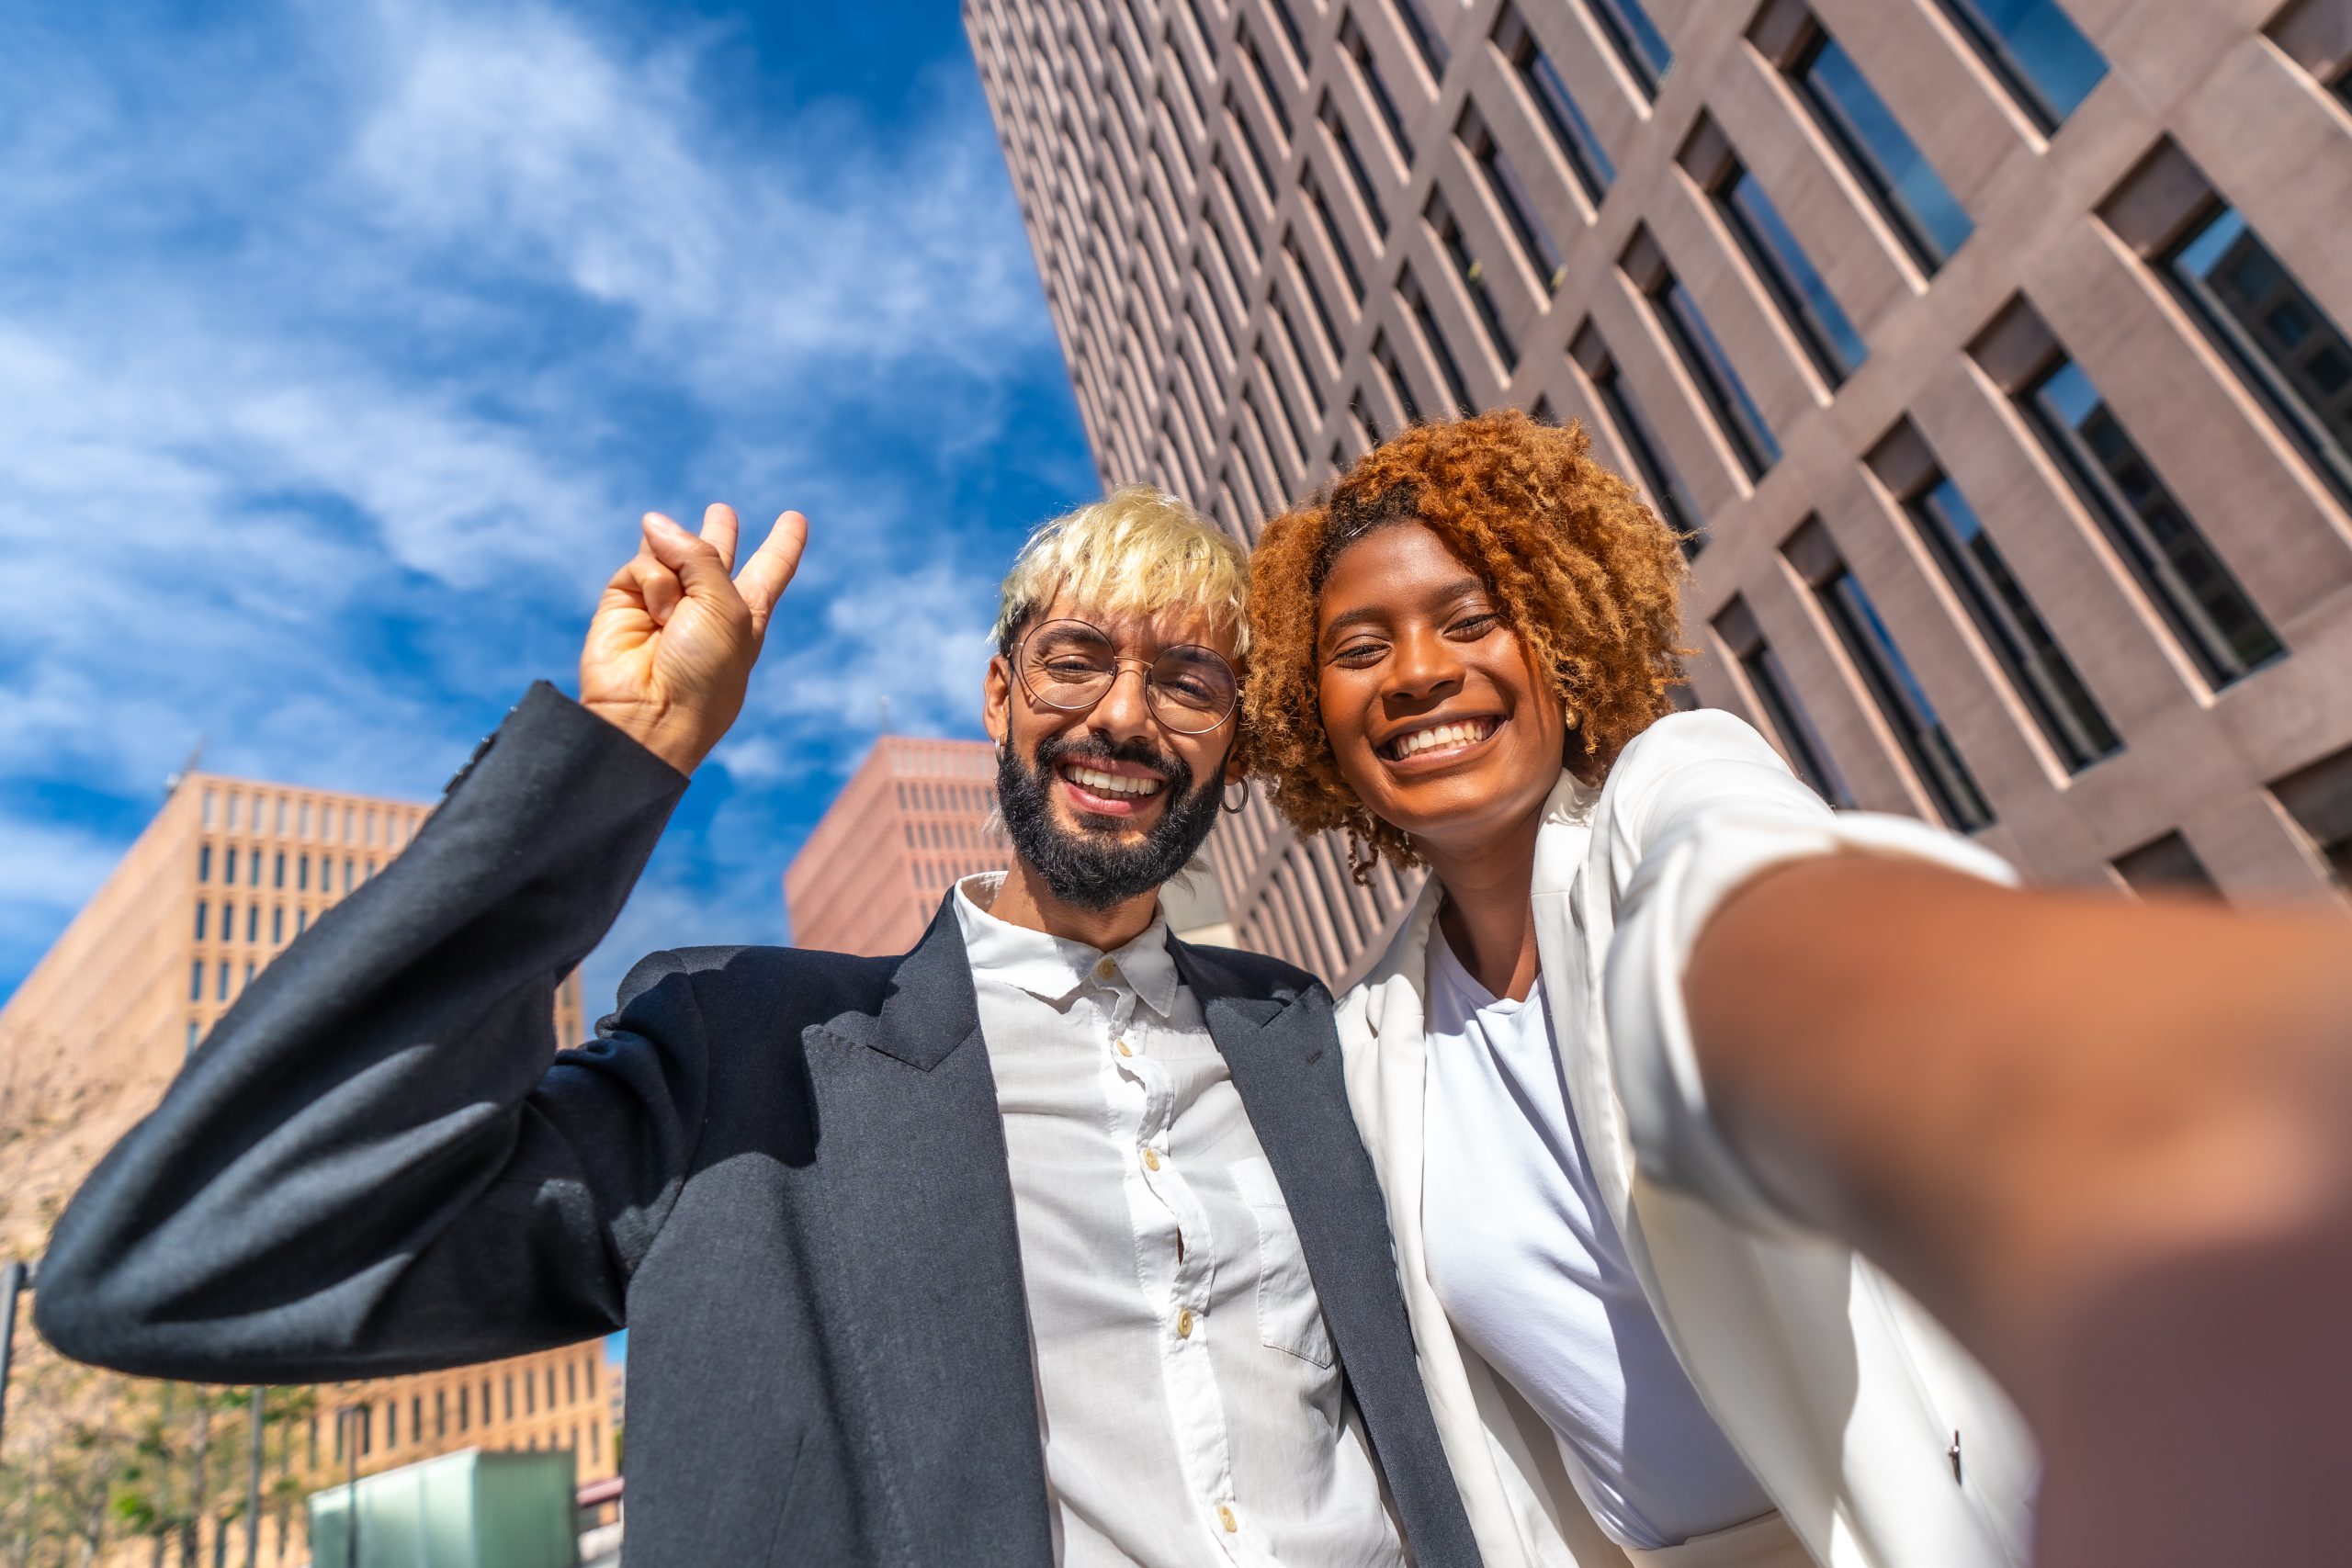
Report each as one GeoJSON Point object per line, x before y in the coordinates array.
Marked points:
{"type": "Point", "coordinates": [938, 1308]}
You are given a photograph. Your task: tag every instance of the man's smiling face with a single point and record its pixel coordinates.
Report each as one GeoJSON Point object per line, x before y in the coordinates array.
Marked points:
{"type": "Point", "coordinates": [1107, 802]}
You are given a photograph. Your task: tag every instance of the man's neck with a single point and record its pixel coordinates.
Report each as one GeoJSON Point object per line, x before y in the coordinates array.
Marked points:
{"type": "Point", "coordinates": [1025, 901]}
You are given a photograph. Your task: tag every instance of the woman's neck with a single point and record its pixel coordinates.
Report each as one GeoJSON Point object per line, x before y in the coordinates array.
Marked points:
{"type": "Point", "coordinates": [1489, 916]}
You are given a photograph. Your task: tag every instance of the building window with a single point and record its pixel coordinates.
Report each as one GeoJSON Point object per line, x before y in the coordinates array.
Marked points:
{"type": "Point", "coordinates": [196, 981]}
{"type": "Point", "coordinates": [1776, 696]}
{"type": "Point", "coordinates": [1305, 281]}
{"type": "Point", "coordinates": [465, 1406]}
{"type": "Point", "coordinates": [2174, 565]}
{"type": "Point", "coordinates": [2164, 866]}
{"type": "Point", "coordinates": [200, 911]}
{"type": "Point", "coordinates": [1914, 198]}
{"type": "Point", "coordinates": [1248, 140]}
{"type": "Point", "coordinates": [278, 925]}
{"type": "Point", "coordinates": [1788, 273]}
{"type": "Point", "coordinates": [1420, 26]}
{"type": "Point", "coordinates": [1512, 195]}
{"type": "Point", "coordinates": [249, 975]}
{"type": "Point", "coordinates": [1577, 142]}
{"type": "Point", "coordinates": [1274, 99]}
{"type": "Point", "coordinates": [510, 1397]}
{"type": "Point", "coordinates": [229, 867]}
{"type": "Point", "coordinates": [194, 1035]}
{"type": "Point", "coordinates": [1289, 20]}
{"type": "Point", "coordinates": [1357, 48]}
{"type": "Point", "coordinates": [1473, 275]}
{"type": "Point", "coordinates": [391, 1424]}
{"type": "Point", "coordinates": [1903, 702]}
{"type": "Point", "coordinates": [1384, 355]}
{"type": "Point", "coordinates": [2319, 799]}
{"type": "Point", "coordinates": [1340, 251]}
{"type": "Point", "coordinates": [1703, 355]}
{"type": "Point", "coordinates": [416, 1417]}
{"type": "Point", "coordinates": [252, 921]}
{"type": "Point", "coordinates": [2021, 642]}
{"type": "Point", "coordinates": [303, 874]}
{"type": "Point", "coordinates": [277, 874]}
{"type": "Point", "coordinates": [301, 921]}
{"type": "Point", "coordinates": [2294, 352]}
{"type": "Point", "coordinates": [2035, 48]}
{"type": "Point", "coordinates": [348, 874]}
{"type": "Point", "coordinates": [572, 1383]}
{"type": "Point", "coordinates": [1667, 492]}
{"type": "Point", "coordinates": [1636, 39]}
{"type": "Point", "coordinates": [1409, 289]}
{"type": "Point", "coordinates": [551, 1388]}
{"type": "Point", "coordinates": [220, 983]}
{"type": "Point", "coordinates": [1329, 114]}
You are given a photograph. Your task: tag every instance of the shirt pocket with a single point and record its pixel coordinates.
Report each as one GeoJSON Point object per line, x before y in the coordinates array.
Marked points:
{"type": "Point", "coordinates": [1290, 1314]}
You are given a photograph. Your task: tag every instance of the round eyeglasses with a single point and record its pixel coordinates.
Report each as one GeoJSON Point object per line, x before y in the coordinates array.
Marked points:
{"type": "Point", "coordinates": [1071, 665]}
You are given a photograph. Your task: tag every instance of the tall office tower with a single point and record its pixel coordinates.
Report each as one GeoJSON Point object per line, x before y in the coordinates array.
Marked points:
{"type": "Point", "coordinates": [1993, 355]}
{"type": "Point", "coordinates": [911, 821]}
{"type": "Point", "coordinates": [226, 875]}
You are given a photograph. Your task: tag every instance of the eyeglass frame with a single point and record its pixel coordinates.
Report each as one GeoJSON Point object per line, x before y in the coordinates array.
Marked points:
{"type": "Point", "coordinates": [1020, 661]}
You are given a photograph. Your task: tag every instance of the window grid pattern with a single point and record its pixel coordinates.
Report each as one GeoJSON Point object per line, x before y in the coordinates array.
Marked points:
{"type": "Point", "coordinates": [1499, 157]}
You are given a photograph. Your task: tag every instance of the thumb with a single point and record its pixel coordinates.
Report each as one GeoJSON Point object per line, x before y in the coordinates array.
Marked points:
{"type": "Point", "coordinates": [696, 562]}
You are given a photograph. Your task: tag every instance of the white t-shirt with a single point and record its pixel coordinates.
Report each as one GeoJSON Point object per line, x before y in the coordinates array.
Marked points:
{"type": "Point", "coordinates": [1535, 1279]}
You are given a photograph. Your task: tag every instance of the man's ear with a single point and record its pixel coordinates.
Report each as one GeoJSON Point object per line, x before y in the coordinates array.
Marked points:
{"type": "Point", "coordinates": [1237, 760]}
{"type": "Point", "coordinates": [995, 700]}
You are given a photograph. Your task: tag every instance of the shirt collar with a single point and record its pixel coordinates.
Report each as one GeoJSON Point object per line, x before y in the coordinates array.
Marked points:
{"type": "Point", "coordinates": [1053, 968]}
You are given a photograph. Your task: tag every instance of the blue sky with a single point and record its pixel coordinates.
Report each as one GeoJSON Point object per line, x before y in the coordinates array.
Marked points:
{"type": "Point", "coordinates": [341, 345]}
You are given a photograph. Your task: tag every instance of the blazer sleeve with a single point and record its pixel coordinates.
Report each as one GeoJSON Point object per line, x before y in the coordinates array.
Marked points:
{"type": "Point", "coordinates": [377, 1162]}
{"type": "Point", "coordinates": [1697, 804]}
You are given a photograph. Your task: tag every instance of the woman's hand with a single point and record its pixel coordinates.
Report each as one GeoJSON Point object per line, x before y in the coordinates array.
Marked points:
{"type": "Point", "coordinates": [670, 651]}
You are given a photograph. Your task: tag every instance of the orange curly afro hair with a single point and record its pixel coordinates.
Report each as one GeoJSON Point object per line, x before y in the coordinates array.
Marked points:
{"type": "Point", "coordinates": [1586, 576]}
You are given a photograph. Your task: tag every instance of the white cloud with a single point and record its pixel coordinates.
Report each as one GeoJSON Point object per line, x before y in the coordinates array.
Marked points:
{"type": "Point", "coordinates": [340, 349]}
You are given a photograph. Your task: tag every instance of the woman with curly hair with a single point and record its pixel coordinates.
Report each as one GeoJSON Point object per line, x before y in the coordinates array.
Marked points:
{"type": "Point", "coordinates": [1614, 1153]}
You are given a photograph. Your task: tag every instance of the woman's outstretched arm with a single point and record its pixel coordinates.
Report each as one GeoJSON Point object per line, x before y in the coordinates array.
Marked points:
{"type": "Point", "coordinates": [2108, 1143]}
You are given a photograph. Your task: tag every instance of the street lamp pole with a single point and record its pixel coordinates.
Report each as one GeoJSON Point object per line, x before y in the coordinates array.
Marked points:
{"type": "Point", "coordinates": [253, 1489]}
{"type": "Point", "coordinates": [16, 1279]}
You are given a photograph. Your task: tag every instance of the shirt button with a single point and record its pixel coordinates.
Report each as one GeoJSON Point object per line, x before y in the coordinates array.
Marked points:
{"type": "Point", "coordinates": [1151, 1159]}
{"type": "Point", "coordinates": [1105, 969]}
{"type": "Point", "coordinates": [1185, 1324]}
{"type": "Point", "coordinates": [1224, 1517]}
{"type": "Point", "coordinates": [1124, 1050]}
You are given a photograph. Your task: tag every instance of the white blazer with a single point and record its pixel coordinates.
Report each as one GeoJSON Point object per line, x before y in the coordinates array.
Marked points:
{"type": "Point", "coordinates": [1842, 1395]}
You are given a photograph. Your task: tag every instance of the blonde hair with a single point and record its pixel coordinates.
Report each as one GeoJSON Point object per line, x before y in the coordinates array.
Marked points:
{"type": "Point", "coordinates": [1136, 551]}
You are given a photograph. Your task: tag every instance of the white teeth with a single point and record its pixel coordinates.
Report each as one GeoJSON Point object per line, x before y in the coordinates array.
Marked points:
{"type": "Point", "coordinates": [1436, 735]}
{"type": "Point", "coordinates": [1101, 782]}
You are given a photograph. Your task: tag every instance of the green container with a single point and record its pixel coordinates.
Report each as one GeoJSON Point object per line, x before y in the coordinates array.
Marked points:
{"type": "Point", "coordinates": [472, 1509]}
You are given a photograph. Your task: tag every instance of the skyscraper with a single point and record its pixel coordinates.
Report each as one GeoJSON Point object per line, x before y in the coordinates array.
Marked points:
{"type": "Point", "coordinates": [227, 875]}
{"type": "Point", "coordinates": [911, 820]}
{"type": "Point", "coordinates": [1994, 357]}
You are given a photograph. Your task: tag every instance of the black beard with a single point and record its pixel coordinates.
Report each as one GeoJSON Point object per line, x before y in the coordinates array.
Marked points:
{"type": "Point", "coordinates": [1089, 869]}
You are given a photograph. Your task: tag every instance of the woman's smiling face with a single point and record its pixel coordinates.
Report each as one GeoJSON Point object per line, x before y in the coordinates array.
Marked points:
{"type": "Point", "coordinates": [1437, 718]}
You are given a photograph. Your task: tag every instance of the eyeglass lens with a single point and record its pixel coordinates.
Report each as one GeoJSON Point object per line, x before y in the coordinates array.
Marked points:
{"type": "Point", "coordinates": [1071, 664]}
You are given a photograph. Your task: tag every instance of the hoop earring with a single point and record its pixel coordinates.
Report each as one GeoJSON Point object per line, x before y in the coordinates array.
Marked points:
{"type": "Point", "coordinates": [1235, 810]}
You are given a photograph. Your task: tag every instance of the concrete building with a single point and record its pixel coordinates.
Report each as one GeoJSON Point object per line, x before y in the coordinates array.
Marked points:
{"type": "Point", "coordinates": [227, 875]}
{"type": "Point", "coordinates": [1994, 355]}
{"type": "Point", "coordinates": [913, 820]}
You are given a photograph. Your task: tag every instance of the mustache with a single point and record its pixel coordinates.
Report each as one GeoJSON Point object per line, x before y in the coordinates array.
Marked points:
{"type": "Point", "coordinates": [1134, 749]}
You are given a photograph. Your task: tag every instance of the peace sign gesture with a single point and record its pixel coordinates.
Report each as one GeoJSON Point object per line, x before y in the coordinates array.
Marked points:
{"type": "Point", "coordinates": [672, 646]}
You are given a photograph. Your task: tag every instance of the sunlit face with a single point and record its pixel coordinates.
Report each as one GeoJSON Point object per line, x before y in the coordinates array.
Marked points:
{"type": "Point", "coordinates": [1437, 718]}
{"type": "Point", "coordinates": [1108, 802]}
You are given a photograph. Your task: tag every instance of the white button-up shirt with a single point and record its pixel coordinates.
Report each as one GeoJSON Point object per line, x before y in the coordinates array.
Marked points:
{"type": "Point", "coordinates": [1191, 1407]}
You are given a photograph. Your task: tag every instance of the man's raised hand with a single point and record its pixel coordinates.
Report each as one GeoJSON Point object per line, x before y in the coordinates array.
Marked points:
{"type": "Point", "coordinates": [670, 649]}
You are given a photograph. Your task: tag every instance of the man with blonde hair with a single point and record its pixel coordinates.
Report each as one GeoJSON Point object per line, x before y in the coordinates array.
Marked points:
{"type": "Point", "coordinates": [1047, 1243]}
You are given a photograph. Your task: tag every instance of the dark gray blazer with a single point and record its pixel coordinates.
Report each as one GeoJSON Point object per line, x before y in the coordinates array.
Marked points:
{"type": "Point", "coordinates": [783, 1172]}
